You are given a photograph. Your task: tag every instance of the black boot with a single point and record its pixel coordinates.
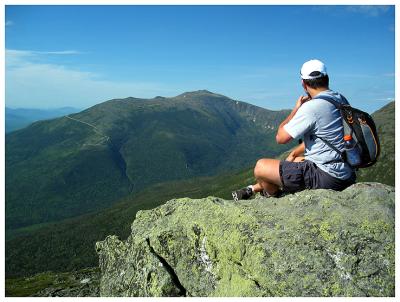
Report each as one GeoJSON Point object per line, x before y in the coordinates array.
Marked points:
{"type": "Point", "coordinates": [244, 193]}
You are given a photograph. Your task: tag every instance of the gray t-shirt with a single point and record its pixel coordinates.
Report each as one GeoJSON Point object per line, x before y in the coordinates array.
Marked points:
{"type": "Point", "coordinates": [321, 118]}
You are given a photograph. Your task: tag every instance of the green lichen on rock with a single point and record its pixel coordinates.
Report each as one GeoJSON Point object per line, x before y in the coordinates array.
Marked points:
{"type": "Point", "coordinates": [312, 243]}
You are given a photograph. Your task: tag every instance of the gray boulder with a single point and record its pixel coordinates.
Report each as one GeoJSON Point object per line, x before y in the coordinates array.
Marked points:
{"type": "Point", "coordinates": [312, 243]}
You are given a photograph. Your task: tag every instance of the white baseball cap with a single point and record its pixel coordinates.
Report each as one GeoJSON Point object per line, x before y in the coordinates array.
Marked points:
{"type": "Point", "coordinates": [312, 66]}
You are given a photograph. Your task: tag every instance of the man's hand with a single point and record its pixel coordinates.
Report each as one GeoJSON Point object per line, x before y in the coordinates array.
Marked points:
{"type": "Point", "coordinates": [282, 137]}
{"type": "Point", "coordinates": [301, 100]}
{"type": "Point", "coordinates": [291, 156]}
{"type": "Point", "coordinates": [297, 154]}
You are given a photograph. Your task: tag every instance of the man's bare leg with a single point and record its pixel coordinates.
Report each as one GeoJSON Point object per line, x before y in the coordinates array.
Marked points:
{"type": "Point", "coordinates": [267, 175]}
{"type": "Point", "coordinates": [268, 179]}
{"type": "Point", "coordinates": [258, 187]}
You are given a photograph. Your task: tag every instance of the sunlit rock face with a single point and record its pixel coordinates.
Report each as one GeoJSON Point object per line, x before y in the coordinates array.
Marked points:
{"type": "Point", "coordinates": [312, 243]}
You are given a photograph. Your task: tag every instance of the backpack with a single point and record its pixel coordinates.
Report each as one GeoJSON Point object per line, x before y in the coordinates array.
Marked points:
{"type": "Point", "coordinates": [361, 127]}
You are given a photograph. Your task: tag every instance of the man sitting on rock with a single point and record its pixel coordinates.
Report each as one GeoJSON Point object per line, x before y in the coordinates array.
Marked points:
{"type": "Point", "coordinates": [318, 121]}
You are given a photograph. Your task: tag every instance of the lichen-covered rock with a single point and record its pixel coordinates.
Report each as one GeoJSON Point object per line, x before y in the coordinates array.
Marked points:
{"type": "Point", "coordinates": [312, 243]}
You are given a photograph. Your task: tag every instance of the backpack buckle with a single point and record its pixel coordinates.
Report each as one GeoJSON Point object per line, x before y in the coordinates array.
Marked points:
{"type": "Point", "coordinates": [350, 119]}
{"type": "Point", "coordinates": [349, 115]}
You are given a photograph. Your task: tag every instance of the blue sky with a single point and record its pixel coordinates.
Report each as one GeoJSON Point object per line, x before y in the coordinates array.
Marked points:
{"type": "Point", "coordinates": [81, 55]}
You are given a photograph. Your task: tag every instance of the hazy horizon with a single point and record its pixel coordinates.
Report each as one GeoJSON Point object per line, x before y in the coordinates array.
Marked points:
{"type": "Point", "coordinates": [84, 108]}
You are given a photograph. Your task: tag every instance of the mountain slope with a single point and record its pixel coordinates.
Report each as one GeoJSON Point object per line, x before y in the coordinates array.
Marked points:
{"type": "Point", "coordinates": [69, 244]}
{"type": "Point", "coordinates": [86, 161]}
{"type": "Point", "coordinates": [384, 170]}
{"type": "Point", "coordinates": [22, 117]}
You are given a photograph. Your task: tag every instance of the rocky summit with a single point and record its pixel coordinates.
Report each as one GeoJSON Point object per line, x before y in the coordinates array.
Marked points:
{"type": "Point", "coordinates": [312, 243]}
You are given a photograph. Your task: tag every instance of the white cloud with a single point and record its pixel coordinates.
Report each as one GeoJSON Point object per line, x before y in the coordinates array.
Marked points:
{"type": "Point", "coordinates": [389, 74]}
{"type": "Point", "coordinates": [356, 75]}
{"type": "Point", "coordinates": [386, 99]}
{"type": "Point", "coordinates": [364, 75]}
{"type": "Point", "coordinates": [9, 23]}
{"type": "Point", "coordinates": [369, 10]}
{"type": "Point", "coordinates": [33, 84]}
{"type": "Point", "coordinates": [63, 52]}
{"type": "Point", "coordinates": [14, 56]}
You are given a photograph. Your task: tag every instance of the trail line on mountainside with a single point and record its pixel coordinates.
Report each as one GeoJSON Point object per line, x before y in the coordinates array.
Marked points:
{"type": "Point", "coordinates": [97, 130]}
{"type": "Point", "coordinates": [121, 160]}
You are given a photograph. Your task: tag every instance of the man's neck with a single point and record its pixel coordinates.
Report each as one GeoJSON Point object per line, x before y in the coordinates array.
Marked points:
{"type": "Point", "coordinates": [314, 92]}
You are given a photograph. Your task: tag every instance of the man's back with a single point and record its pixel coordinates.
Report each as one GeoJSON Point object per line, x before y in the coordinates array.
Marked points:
{"type": "Point", "coordinates": [319, 118]}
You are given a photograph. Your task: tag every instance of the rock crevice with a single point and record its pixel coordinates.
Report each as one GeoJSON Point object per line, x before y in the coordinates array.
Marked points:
{"type": "Point", "coordinates": [170, 270]}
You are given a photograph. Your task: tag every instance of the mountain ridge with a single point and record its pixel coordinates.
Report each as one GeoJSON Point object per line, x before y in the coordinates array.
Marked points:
{"type": "Point", "coordinates": [85, 161]}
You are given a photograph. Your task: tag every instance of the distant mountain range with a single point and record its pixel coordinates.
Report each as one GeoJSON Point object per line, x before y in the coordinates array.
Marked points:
{"type": "Point", "coordinates": [84, 162]}
{"type": "Point", "coordinates": [22, 117]}
{"type": "Point", "coordinates": [69, 244]}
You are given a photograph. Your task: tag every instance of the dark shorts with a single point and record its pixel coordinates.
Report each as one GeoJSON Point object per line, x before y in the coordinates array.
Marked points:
{"type": "Point", "coordinates": [306, 175]}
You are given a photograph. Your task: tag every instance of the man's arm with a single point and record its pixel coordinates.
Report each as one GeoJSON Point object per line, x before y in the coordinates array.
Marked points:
{"type": "Point", "coordinates": [282, 137]}
{"type": "Point", "coordinates": [296, 152]}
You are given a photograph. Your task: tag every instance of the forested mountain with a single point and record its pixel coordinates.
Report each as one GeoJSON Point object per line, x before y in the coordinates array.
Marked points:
{"type": "Point", "coordinates": [84, 162]}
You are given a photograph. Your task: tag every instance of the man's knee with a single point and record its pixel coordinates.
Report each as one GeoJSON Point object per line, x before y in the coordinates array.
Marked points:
{"type": "Point", "coordinates": [267, 170]}
{"type": "Point", "coordinates": [262, 167]}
